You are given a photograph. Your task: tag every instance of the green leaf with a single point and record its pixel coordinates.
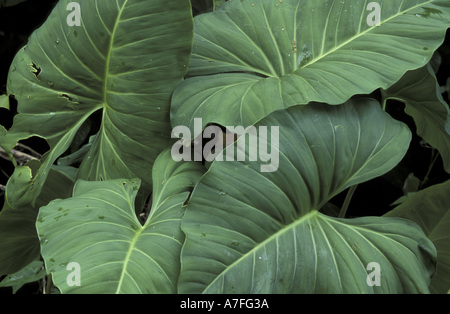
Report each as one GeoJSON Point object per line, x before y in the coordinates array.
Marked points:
{"type": "Point", "coordinates": [4, 101]}
{"type": "Point", "coordinates": [124, 61]}
{"type": "Point", "coordinates": [98, 229]}
{"type": "Point", "coordinates": [297, 51]}
{"type": "Point", "coordinates": [261, 232]}
{"type": "Point", "coordinates": [20, 242]}
{"type": "Point", "coordinates": [30, 273]}
{"type": "Point", "coordinates": [3, 133]}
{"type": "Point", "coordinates": [421, 94]}
{"type": "Point", "coordinates": [430, 209]}
{"type": "Point", "coordinates": [410, 186]}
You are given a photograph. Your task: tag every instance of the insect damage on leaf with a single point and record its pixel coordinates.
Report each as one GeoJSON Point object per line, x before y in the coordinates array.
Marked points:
{"type": "Point", "coordinates": [36, 70]}
{"type": "Point", "coordinates": [69, 98]}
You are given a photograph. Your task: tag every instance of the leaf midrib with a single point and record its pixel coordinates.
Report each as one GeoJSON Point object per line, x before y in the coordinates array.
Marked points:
{"type": "Point", "coordinates": [286, 228]}
{"type": "Point", "coordinates": [127, 258]}
{"type": "Point", "coordinates": [110, 49]}
{"type": "Point", "coordinates": [105, 104]}
{"type": "Point", "coordinates": [358, 35]}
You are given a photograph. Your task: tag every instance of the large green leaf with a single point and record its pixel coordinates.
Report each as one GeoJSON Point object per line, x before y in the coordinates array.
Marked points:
{"type": "Point", "coordinates": [124, 60]}
{"type": "Point", "coordinates": [254, 232]}
{"type": "Point", "coordinates": [420, 92]}
{"type": "Point", "coordinates": [430, 209]}
{"type": "Point", "coordinates": [298, 51]}
{"type": "Point", "coordinates": [19, 243]}
{"type": "Point", "coordinates": [98, 229]}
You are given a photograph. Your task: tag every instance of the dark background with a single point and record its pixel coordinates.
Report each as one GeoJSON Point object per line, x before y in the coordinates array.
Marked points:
{"type": "Point", "coordinates": [371, 198]}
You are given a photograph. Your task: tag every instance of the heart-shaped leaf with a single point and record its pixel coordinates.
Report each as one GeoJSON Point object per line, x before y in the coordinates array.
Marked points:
{"type": "Point", "coordinates": [261, 232]}
{"type": "Point", "coordinates": [430, 209]}
{"type": "Point", "coordinates": [98, 229]}
{"type": "Point", "coordinates": [421, 94]}
{"type": "Point", "coordinates": [124, 60]}
{"type": "Point", "coordinates": [297, 51]}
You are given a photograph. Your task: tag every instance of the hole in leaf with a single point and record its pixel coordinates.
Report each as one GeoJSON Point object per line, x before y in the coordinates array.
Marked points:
{"type": "Point", "coordinates": [69, 98]}
{"type": "Point", "coordinates": [34, 146]}
{"type": "Point", "coordinates": [146, 210]}
{"type": "Point", "coordinates": [36, 69]}
{"type": "Point", "coordinates": [6, 116]}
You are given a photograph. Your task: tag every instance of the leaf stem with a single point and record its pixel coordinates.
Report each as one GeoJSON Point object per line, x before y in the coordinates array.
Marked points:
{"type": "Point", "coordinates": [347, 200]}
{"type": "Point", "coordinates": [47, 284]}
{"type": "Point", "coordinates": [430, 167]}
{"type": "Point", "coordinates": [13, 160]}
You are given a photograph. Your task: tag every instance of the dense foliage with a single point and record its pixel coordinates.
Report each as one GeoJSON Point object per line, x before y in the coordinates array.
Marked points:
{"type": "Point", "coordinates": [350, 98]}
